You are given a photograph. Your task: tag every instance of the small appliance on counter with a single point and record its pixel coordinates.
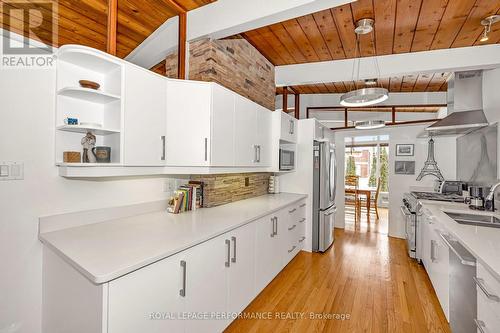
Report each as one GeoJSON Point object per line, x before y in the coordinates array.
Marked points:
{"type": "Point", "coordinates": [476, 197]}
{"type": "Point", "coordinates": [274, 184]}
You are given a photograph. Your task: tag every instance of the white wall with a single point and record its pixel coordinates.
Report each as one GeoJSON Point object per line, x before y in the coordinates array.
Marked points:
{"type": "Point", "coordinates": [445, 154]}
{"type": "Point", "coordinates": [27, 135]}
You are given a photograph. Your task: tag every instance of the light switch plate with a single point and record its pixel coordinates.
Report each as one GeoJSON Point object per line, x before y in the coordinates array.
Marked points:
{"type": "Point", "coordinates": [11, 170]}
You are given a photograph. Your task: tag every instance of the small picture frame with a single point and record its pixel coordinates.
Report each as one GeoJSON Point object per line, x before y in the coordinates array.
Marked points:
{"type": "Point", "coordinates": [405, 149]}
{"type": "Point", "coordinates": [404, 167]}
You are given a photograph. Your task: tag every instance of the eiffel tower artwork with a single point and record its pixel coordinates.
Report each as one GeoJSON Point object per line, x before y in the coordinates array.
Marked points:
{"type": "Point", "coordinates": [430, 166]}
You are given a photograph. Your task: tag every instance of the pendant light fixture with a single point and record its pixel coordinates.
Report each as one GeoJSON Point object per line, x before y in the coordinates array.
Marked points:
{"type": "Point", "coordinates": [369, 124]}
{"type": "Point", "coordinates": [364, 96]}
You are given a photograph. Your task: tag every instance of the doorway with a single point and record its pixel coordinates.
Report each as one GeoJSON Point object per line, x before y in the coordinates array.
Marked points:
{"type": "Point", "coordinates": [367, 183]}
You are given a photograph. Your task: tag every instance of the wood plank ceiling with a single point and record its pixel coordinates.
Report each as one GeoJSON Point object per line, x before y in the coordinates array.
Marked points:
{"type": "Point", "coordinates": [84, 21]}
{"type": "Point", "coordinates": [401, 26]}
{"type": "Point", "coordinates": [430, 82]}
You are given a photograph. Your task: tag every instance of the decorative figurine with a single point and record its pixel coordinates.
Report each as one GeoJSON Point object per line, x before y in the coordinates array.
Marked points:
{"type": "Point", "coordinates": [88, 143]}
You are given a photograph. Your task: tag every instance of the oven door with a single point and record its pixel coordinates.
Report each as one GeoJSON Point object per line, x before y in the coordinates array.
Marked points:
{"type": "Point", "coordinates": [410, 231]}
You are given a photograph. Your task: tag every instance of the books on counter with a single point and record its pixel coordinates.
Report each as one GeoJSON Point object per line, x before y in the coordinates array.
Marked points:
{"type": "Point", "coordinates": [187, 197]}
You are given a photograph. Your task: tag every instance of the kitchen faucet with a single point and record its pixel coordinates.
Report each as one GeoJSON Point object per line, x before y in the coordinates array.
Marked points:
{"type": "Point", "coordinates": [489, 203]}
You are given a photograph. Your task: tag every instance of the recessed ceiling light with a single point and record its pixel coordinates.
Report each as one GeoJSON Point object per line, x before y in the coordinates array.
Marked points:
{"type": "Point", "coordinates": [364, 26]}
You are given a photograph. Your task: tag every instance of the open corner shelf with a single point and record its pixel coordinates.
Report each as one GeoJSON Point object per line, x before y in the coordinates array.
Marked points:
{"type": "Point", "coordinates": [85, 129]}
{"type": "Point", "coordinates": [91, 95]}
{"type": "Point", "coordinates": [88, 58]}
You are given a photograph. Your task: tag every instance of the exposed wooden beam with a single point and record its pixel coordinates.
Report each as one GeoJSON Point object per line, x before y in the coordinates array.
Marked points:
{"type": "Point", "coordinates": [181, 56]}
{"type": "Point", "coordinates": [112, 24]}
{"type": "Point", "coordinates": [346, 122]}
{"type": "Point", "coordinates": [411, 122]}
{"type": "Point", "coordinates": [285, 99]}
{"type": "Point", "coordinates": [393, 114]}
{"type": "Point", "coordinates": [175, 6]}
{"type": "Point", "coordinates": [297, 106]}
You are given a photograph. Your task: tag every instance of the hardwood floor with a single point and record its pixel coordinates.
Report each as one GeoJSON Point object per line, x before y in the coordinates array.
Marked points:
{"type": "Point", "coordinates": [366, 279]}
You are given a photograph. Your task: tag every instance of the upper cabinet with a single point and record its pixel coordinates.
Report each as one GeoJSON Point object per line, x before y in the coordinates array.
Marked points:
{"type": "Point", "coordinates": [145, 124]}
{"type": "Point", "coordinates": [286, 125]}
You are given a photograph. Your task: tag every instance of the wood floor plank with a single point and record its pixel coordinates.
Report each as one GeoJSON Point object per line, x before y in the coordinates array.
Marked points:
{"type": "Point", "coordinates": [365, 275]}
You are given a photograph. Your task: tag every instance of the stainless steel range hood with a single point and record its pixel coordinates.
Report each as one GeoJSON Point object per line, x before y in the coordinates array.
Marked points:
{"type": "Point", "coordinates": [465, 105]}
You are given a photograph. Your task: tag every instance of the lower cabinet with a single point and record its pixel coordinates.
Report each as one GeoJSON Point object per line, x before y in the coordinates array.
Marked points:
{"type": "Point", "coordinates": [488, 300]}
{"type": "Point", "coordinates": [209, 281]}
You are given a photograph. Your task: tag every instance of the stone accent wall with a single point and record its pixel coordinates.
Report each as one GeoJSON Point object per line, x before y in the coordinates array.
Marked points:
{"type": "Point", "coordinates": [226, 188]}
{"type": "Point", "coordinates": [233, 63]}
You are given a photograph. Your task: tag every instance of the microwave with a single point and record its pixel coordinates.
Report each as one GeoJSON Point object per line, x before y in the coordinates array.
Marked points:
{"type": "Point", "coordinates": [287, 159]}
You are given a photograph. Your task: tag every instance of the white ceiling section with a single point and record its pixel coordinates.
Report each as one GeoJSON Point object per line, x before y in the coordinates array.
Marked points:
{"type": "Point", "coordinates": [221, 19]}
{"type": "Point", "coordinates": [446, 60]}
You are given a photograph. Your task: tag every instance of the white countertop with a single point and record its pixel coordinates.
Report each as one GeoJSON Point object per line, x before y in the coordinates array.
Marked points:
{"type": "Point", "coordinates": [482, 242]}
{"type": "Point", "coordinates": [106, 250]}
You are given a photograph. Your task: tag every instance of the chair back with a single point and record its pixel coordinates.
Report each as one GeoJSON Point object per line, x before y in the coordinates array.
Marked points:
{"type": "Point", "coordinates": [378, 190]}
{"type": "Point", "coordinates": [352, 182]}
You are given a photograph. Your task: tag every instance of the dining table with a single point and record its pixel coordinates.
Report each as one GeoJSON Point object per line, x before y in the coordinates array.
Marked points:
{"type": "Point", "coordinates": [366, 192]}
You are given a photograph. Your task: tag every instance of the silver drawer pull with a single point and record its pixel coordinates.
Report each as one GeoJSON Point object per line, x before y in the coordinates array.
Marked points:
{"type": "Point", "coordinates": [461, 256]}
{"type": "Point", "coordinates": [293, 248]}
{"type": "Point", "coordinates": [303, 205]}
{"type": "Point", "coordinates": [291, 211]}
{"type": "Point", "coordinates": [480, 283]}
{"type": "Point", "coordinates": [272, 226]}
{"type": "Point", "coordinates": [302, 239]}
{"type": "Point", "coordinates": [480, 325]}
{"type": "Point", "coordinates": [302, 220]}
{"type": "Point", "coordinates": [228, 261]}
{"type": "Point", "coordinates": [292, 227]}
{"type": "Point", "coordinates": [182, 292]}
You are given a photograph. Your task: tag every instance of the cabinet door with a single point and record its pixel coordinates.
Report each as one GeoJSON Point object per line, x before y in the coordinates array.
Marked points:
{"type": "Point", "coordinates": [267, 255]}
{"type": "Point", "coordinates": [263, 136]}
{"type": "Point", "coordinates": [440, 270]}
{"type": "Point", "coordinates": [142, 301]}
{"type": "Point", "coordinates": [206, 284]}
{"type": "Point", "coordinates": [241, 284]}
{"type": "Point", "coordinates": [426, 242]}
{"type": "Point", "coordinates": [145, 100]}
{"type": "Point", "coordinates": [222, 132]}
{"type": "Point", "coordinates": [188, 123]}
{"type": "Point", "coordinates": [245, 132]}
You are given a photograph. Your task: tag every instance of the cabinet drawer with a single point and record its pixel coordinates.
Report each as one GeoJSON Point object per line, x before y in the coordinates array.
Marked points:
{"type": "Point", "coordinates": [486, 315]}
{"type": "Point", "coordinates": [487, 284]}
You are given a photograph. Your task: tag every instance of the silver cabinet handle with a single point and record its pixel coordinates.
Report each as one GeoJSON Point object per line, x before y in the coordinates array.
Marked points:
{"type": "Point", "coordinates": [276, 226]}
{"type": "Point", "coordinates": [163, 148]}
{"type": "Point", "coordinates": [433, 251]}
{"type": "Point", "coordinates": [228, 245]}
{"type": "Point", "coordinates": [182, 292]}
{"type": "Point", "coordinates": [292, 227]}
{"type": "Point", "coordinates": [302, 220]}
{"type": "Point", "coordinates": [272, 226]}
{"type": "Point", "coordinates": [233, 259]}
{"type": "Point", "coordinates": [463, 260]}
{"type": "Point", "coordinates": [258, 153]}
{"type": "Point", "coordinates": [206, 149]}
{"type": "Point", "coordinates": [480, 283]}
{"type": "Point", "coordinates": [290, 130]}
{"type": "Point", "coordinates": [302, 239]}
{"type": "Point", "coordinates": [293, 248]}
{"type": "Point", "coordinates": [303, 205]}
{"type": "Point", "coordinates": [291, 211]}
{"type": "Point", "coordinates": [255, 154]}
{"type": "Point", "coordinates": [480, 325]}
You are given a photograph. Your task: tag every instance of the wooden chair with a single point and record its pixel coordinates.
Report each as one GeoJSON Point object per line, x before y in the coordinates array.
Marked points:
{"type": "Point", "coordinates": [373, 200]}
{"type": "Point", "coordinates": [351, 196]}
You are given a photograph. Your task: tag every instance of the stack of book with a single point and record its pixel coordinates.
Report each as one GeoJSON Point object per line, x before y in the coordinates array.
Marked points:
{"type": "Point", "coordinates": [187, 197]}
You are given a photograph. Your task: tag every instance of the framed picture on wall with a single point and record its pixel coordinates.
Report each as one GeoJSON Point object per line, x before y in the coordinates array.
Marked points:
{"type": "Point", "coordinates": [404, 149]}
{"type": "Point", "coordinates": [404, 167]}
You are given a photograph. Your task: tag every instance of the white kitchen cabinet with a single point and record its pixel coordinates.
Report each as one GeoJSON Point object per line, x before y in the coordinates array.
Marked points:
{"type": "Point", "coordinates": [145, 104]}
{"type": "Point", "coordinates": [206, 282]}
{"type": "Point", "coordinates": [268, 254]}
{"type": "Point", "coordinates": [240, 275]}
{"type": "Point", "coordinates": [488, 300]}
{"type": "Point", "coordinates": [188, 123]}
{"type": "Point", "coordinates": [142, 300]}
{"type": "Point", "coordinates": [288, 128]}
{"type": "Point", "coordinates": [245, 132]}
{"type": "Point", "coordinates": [264, 128]}
{"type": "Point", "coordinates": [439, 271]}
{"type": "Point", "coordinates": [222, 122]}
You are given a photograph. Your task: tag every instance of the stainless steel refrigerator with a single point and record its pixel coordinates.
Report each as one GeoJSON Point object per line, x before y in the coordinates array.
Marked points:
{"type": "Point", "coordinates": [324, 180]}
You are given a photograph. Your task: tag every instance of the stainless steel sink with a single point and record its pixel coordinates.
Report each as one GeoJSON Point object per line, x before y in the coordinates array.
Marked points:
{"type": "Point", "coordinates": [475, 219]}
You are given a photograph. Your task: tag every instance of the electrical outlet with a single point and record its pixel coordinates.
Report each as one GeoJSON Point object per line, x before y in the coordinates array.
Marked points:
{"type": "Point", "coordinates": [169, 185]}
